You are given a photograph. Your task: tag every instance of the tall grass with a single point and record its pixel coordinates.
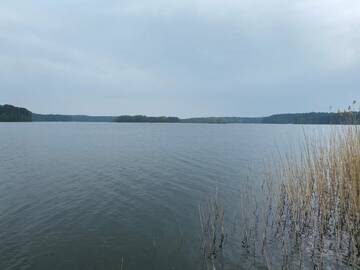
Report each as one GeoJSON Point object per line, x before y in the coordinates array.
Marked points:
{"type": "Point", "coordinates": [307, 215]}
{"type": "Point", "coordinates": [212, 233]}
{"type": "Point", "coordinates": [319, 199]}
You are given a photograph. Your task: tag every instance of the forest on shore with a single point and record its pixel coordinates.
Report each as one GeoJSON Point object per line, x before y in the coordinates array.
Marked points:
{"type": "Point", "coordinates": [10, 113]}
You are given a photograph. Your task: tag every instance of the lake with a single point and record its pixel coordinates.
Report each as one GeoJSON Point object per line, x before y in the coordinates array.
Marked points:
{"type": "Point", "coordinates": [122, 196]}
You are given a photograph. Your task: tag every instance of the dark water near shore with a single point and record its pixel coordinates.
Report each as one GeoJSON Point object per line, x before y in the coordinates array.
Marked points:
{"type": "Point", "coordinates": [86, 196]}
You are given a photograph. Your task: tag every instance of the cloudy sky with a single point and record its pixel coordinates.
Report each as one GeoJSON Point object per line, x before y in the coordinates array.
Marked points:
{"type": "Point", "coordinates": [179, 57]}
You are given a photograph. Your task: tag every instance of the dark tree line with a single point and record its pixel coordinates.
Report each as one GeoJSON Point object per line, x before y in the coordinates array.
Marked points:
{"type": "Point", "coordinates": [314, 118]}
{"type": "Point", "coordinates": [223, 120]}
{"type": "Point", "coordinates": [70, 118]}
{"type": "Point", "coordinates": [146, 119]}
{"type": "Point", "coordinates": [9, 113]}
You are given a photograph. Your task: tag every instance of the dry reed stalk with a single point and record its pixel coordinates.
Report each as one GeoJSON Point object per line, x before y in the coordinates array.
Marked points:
{"type": "Point", "coordinates": [212, 232]}
{"type": "Point", "coordinates": [320, 193]}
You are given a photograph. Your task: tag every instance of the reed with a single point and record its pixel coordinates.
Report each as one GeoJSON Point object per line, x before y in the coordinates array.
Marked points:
{"type": "Point", "coordinates": [212, 233]}
{"type": "Point", "coordinates": [319, 203]}
{"type": "Point", "coordinates": [306, 215]}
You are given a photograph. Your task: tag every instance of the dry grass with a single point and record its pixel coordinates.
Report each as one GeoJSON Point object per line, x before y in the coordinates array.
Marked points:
{"type": "Point", "coordinates": [307, 215]}
{"type": "Point", "coordinates": [320, 197]}
{"type": "Point", "coordinates": [212, 233]}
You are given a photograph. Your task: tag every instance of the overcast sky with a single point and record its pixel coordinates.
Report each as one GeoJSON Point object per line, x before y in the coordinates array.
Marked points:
{"type": "Point", "coordinates": [179, 57]}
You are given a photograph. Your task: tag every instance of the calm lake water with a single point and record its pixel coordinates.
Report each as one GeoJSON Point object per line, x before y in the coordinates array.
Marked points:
{"type": "Point", "coordinates": [89, 196]}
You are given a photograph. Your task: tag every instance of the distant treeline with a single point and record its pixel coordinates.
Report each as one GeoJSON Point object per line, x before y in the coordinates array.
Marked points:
{"type": "Point", "coordinates": [146, 119]}
{"type": "Point", "coordinates": [9, 113]}
{"type": "Point", "coordinates": [70, 118]}
{"type": "Point", "coordinates": [223, 120]}
{"type": "Point", "coordinates": [314, 118]}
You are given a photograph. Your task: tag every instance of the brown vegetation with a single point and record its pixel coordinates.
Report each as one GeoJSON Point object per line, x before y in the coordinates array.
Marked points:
{"type": "Point", "coordinates": [320, 196]}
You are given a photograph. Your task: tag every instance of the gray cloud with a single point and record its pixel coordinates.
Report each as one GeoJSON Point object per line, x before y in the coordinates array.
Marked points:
{"type": "Point", "coordinates": [190, 57]}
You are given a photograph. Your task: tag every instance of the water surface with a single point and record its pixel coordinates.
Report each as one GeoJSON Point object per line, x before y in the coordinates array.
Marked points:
{"type": "Point", "coordinates": [90, 195]}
